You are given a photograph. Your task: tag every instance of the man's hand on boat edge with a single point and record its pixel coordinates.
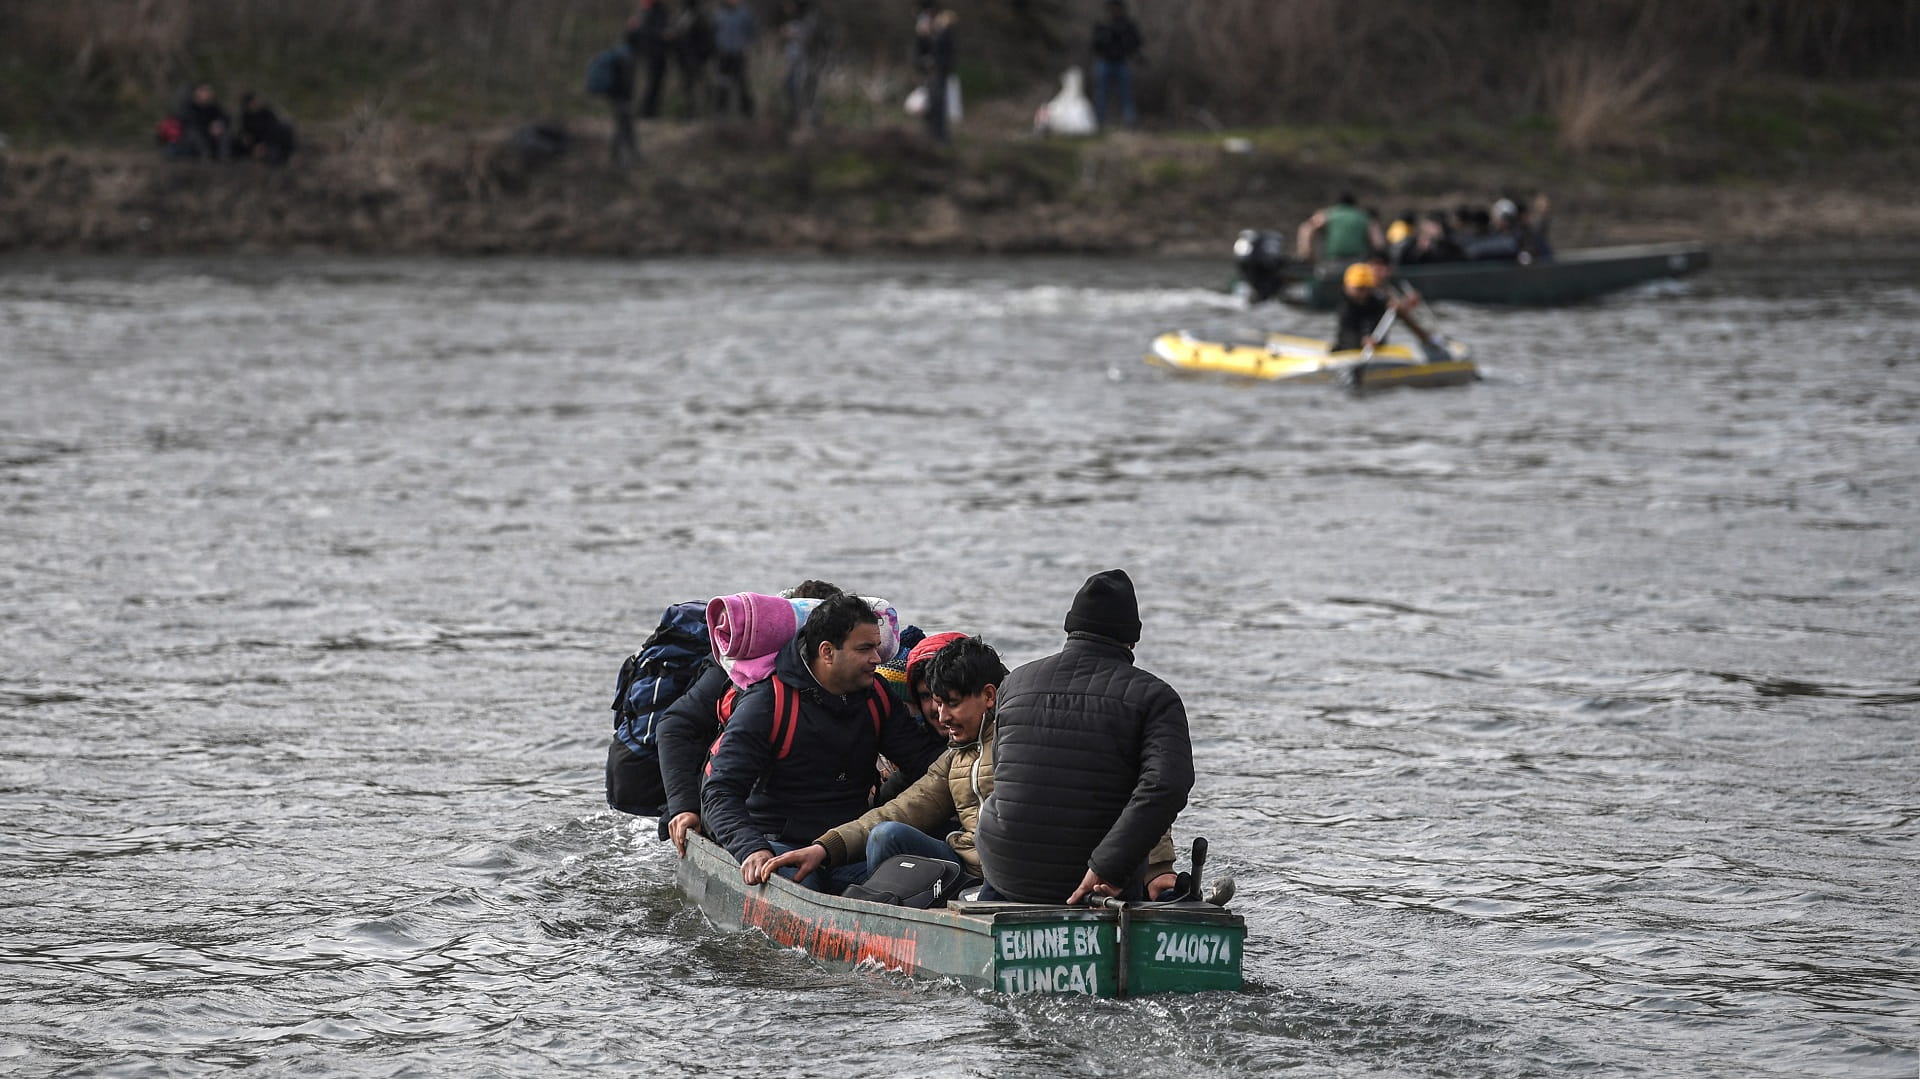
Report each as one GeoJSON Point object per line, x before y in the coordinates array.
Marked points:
{"type": "Point", "coordinates": [804, 861]}
{"type": "Point", "coordinates": [677, 830]}
{"type": "Point", "coordinates": [1094, 885]}
{"type": "Point", "coordinates": [754, 868]}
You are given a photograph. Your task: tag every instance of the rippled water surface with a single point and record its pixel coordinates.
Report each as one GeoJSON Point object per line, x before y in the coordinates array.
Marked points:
{"type": "Point", "coordinates": [1560, 724]}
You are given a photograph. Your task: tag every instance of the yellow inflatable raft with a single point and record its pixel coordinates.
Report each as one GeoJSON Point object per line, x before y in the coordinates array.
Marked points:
{"type": "Point", "coordinates": [1287, 358]}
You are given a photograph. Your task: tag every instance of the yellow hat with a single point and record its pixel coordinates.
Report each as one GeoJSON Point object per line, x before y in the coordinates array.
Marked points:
{"type": "Point", "coordinates": [1360, 276]}
{"type": "Point", "coordinates": [1398, 231]}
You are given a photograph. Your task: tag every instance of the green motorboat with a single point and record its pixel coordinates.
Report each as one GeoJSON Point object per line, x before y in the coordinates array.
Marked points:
{"type": "Point", "coordinates": [1116, 951]}
{"type": "Point", "coordinates": [1567, 278]}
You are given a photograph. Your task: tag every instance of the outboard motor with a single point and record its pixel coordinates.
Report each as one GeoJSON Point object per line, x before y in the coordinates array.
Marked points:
{"type": "Point", "coordinates": [1262, 260]}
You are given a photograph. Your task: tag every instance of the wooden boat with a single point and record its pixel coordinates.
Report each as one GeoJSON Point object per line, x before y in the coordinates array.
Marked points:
{"type": "Point", "coordinates": [1013, 948]}
{"type": "Point", "coordinates": [1567, 278]}
{"type": "Point", "coordinates": [1289, 358]}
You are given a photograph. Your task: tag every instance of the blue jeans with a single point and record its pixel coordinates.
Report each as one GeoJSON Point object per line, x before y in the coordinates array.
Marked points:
{"type": "Point", "coordinates": [831, 880]}
{"type": "Point", "coordinates": [890, 838]}
{"type": "Point", "coordinates": [1112, 76]}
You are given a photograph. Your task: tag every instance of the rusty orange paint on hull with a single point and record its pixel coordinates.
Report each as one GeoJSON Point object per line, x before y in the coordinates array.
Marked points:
{"type": "Point", "coordinates": [827, 941]}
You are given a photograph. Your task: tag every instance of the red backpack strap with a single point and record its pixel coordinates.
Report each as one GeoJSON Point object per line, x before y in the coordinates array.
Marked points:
{"type": "Point", "coordinates": [786, 718]}
{"type": "Point", "coordinates": [724, 712]}
{"type": "Point", "coordinates": [880, 705]}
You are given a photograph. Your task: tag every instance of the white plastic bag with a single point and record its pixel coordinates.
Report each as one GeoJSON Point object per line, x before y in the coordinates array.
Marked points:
{"type": "Point", "coordinates": [1069, 113]}
{"type": "Point", "coordinates": [917, 101]}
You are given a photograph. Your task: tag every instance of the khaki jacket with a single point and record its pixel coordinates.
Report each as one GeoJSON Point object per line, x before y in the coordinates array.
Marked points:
{"type": "Point", "coordinates": [954, 786]}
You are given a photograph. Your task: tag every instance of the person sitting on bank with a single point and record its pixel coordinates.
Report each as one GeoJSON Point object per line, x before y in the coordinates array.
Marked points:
{"type": "Point", "coordinates": [1366, 296]}
{"type": "Point", "coordinates": [1092, 762]}
{"type": "Point", "coordinates": [1345, 230]}
{"type": "Point", "coordinates": [262, 135]}
{"type": "Point", "coordinates": [205, 129]}
{"type": "Point", "coordinates": [762, 799]}
{"type": "Point", "coordinates": [685, 733]}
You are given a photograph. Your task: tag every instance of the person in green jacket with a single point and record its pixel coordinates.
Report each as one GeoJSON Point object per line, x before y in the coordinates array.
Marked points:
{"type": "Point", "coordinates": [1348, 232]}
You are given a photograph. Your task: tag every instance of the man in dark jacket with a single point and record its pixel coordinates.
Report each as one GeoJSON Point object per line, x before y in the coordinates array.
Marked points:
{"type": "Point", "coordinates": [623, 149]}
{"type": "Point", "coordinates": [1366, 295]}
{"type": "Point", "coordinates": [263, 136]}
{"type": "Point", "coordinates": [1116, 46]}
{"type": "Point", "coordinates": [733, 33]}
{"type": "Point", "coordinates": [797, 757]}
{"type": "Point", "coordinates": [1091, 761]}
{"type": "Point", "coordinates": [933, 58]}
{"type": "Point", "coordinates": [686, 732]}
{"type": "Point", "coordinates": [649, 41]}
{"type": "Point", "coordinates": [206, 131]}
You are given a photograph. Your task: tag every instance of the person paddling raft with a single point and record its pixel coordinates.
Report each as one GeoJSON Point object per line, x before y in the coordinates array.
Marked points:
{"type": "Point", "coordinates": [1366, 295]}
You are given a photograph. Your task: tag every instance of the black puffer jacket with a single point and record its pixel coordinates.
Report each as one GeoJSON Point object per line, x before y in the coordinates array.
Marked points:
{"type": "Point", "coordinates": [1091, 765]}
{"type": "Point", "coordinates": [752, 794]}
{"type": "Point", "coordinates": [682, 736]}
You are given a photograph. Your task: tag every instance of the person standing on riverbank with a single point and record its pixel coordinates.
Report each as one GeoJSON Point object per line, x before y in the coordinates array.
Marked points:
{"type": "Point", "coordinates": [799, 34]}
{"type": "Point", "coordinates": [1116, 47]}
{"type": "Point", "coordinates": [1092, 761]}
{"type": "Point", "coordinates": [691, 38]}
{"type": "Point", "coordinates": [617, 78]}
{"type": "Point", "coordinates": [933, 57]}
{"type": "Point", "coordinates": [647, 38]}
{"type": "Point", "coordinates": [733, 32]}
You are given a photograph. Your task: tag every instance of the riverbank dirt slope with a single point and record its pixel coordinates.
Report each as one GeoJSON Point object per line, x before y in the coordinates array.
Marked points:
{"type": "Point", "coordinates": [713, 188]}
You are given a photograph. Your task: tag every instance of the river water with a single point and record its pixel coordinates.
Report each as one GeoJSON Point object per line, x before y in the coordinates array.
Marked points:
{"type": "Point", "coordinates": [1560, 724]}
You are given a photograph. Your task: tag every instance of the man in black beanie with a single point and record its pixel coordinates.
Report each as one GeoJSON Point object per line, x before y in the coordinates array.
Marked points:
{"type": "Point", "coordinates": [1091, 763]}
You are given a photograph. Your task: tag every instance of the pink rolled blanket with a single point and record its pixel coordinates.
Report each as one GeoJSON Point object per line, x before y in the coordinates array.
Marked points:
{"type": "Point", "coordinates": [745, 625]}
{"type": "Point", "coordinates": [750, 629]}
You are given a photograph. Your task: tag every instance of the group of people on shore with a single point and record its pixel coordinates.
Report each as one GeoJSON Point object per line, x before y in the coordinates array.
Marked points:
{"type": "Point", "coordinates": [707, 47]}
{"type": "Point", "coordinates": [690, 38]}
{"type": "Point", "coordinates": [1052, 783]}
{"type": "Point", "coordinates": [200, 129]}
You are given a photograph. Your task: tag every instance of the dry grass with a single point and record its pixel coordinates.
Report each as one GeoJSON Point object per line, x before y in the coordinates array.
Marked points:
{"type": "Point", "coordinates": [1605, 101]}
{"type": "Point", "coordinates": [82, 65]}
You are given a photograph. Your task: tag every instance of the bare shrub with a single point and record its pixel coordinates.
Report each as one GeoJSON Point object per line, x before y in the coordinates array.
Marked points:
{"type": "Point", "coordinates": [1243, 61]}
{"type": "Point", "coordinates": [1608, 101]}
{"type": "Point", "coordinates": [1317, 61]}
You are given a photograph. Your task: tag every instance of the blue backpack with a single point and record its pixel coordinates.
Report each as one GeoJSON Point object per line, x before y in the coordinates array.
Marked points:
{"type": "Point", "coordinates": [604, 71]}
{"type": "Point", "coordinates": [665, 667]}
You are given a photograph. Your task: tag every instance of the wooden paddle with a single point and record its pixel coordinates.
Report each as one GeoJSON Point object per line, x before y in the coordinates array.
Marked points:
{"type": "Point", "coordinates": [1433, 339]}
{"type": "Point", "coordinates": [1379, 334]}
{"type": "Point", "coordinates": [1354, 376]}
